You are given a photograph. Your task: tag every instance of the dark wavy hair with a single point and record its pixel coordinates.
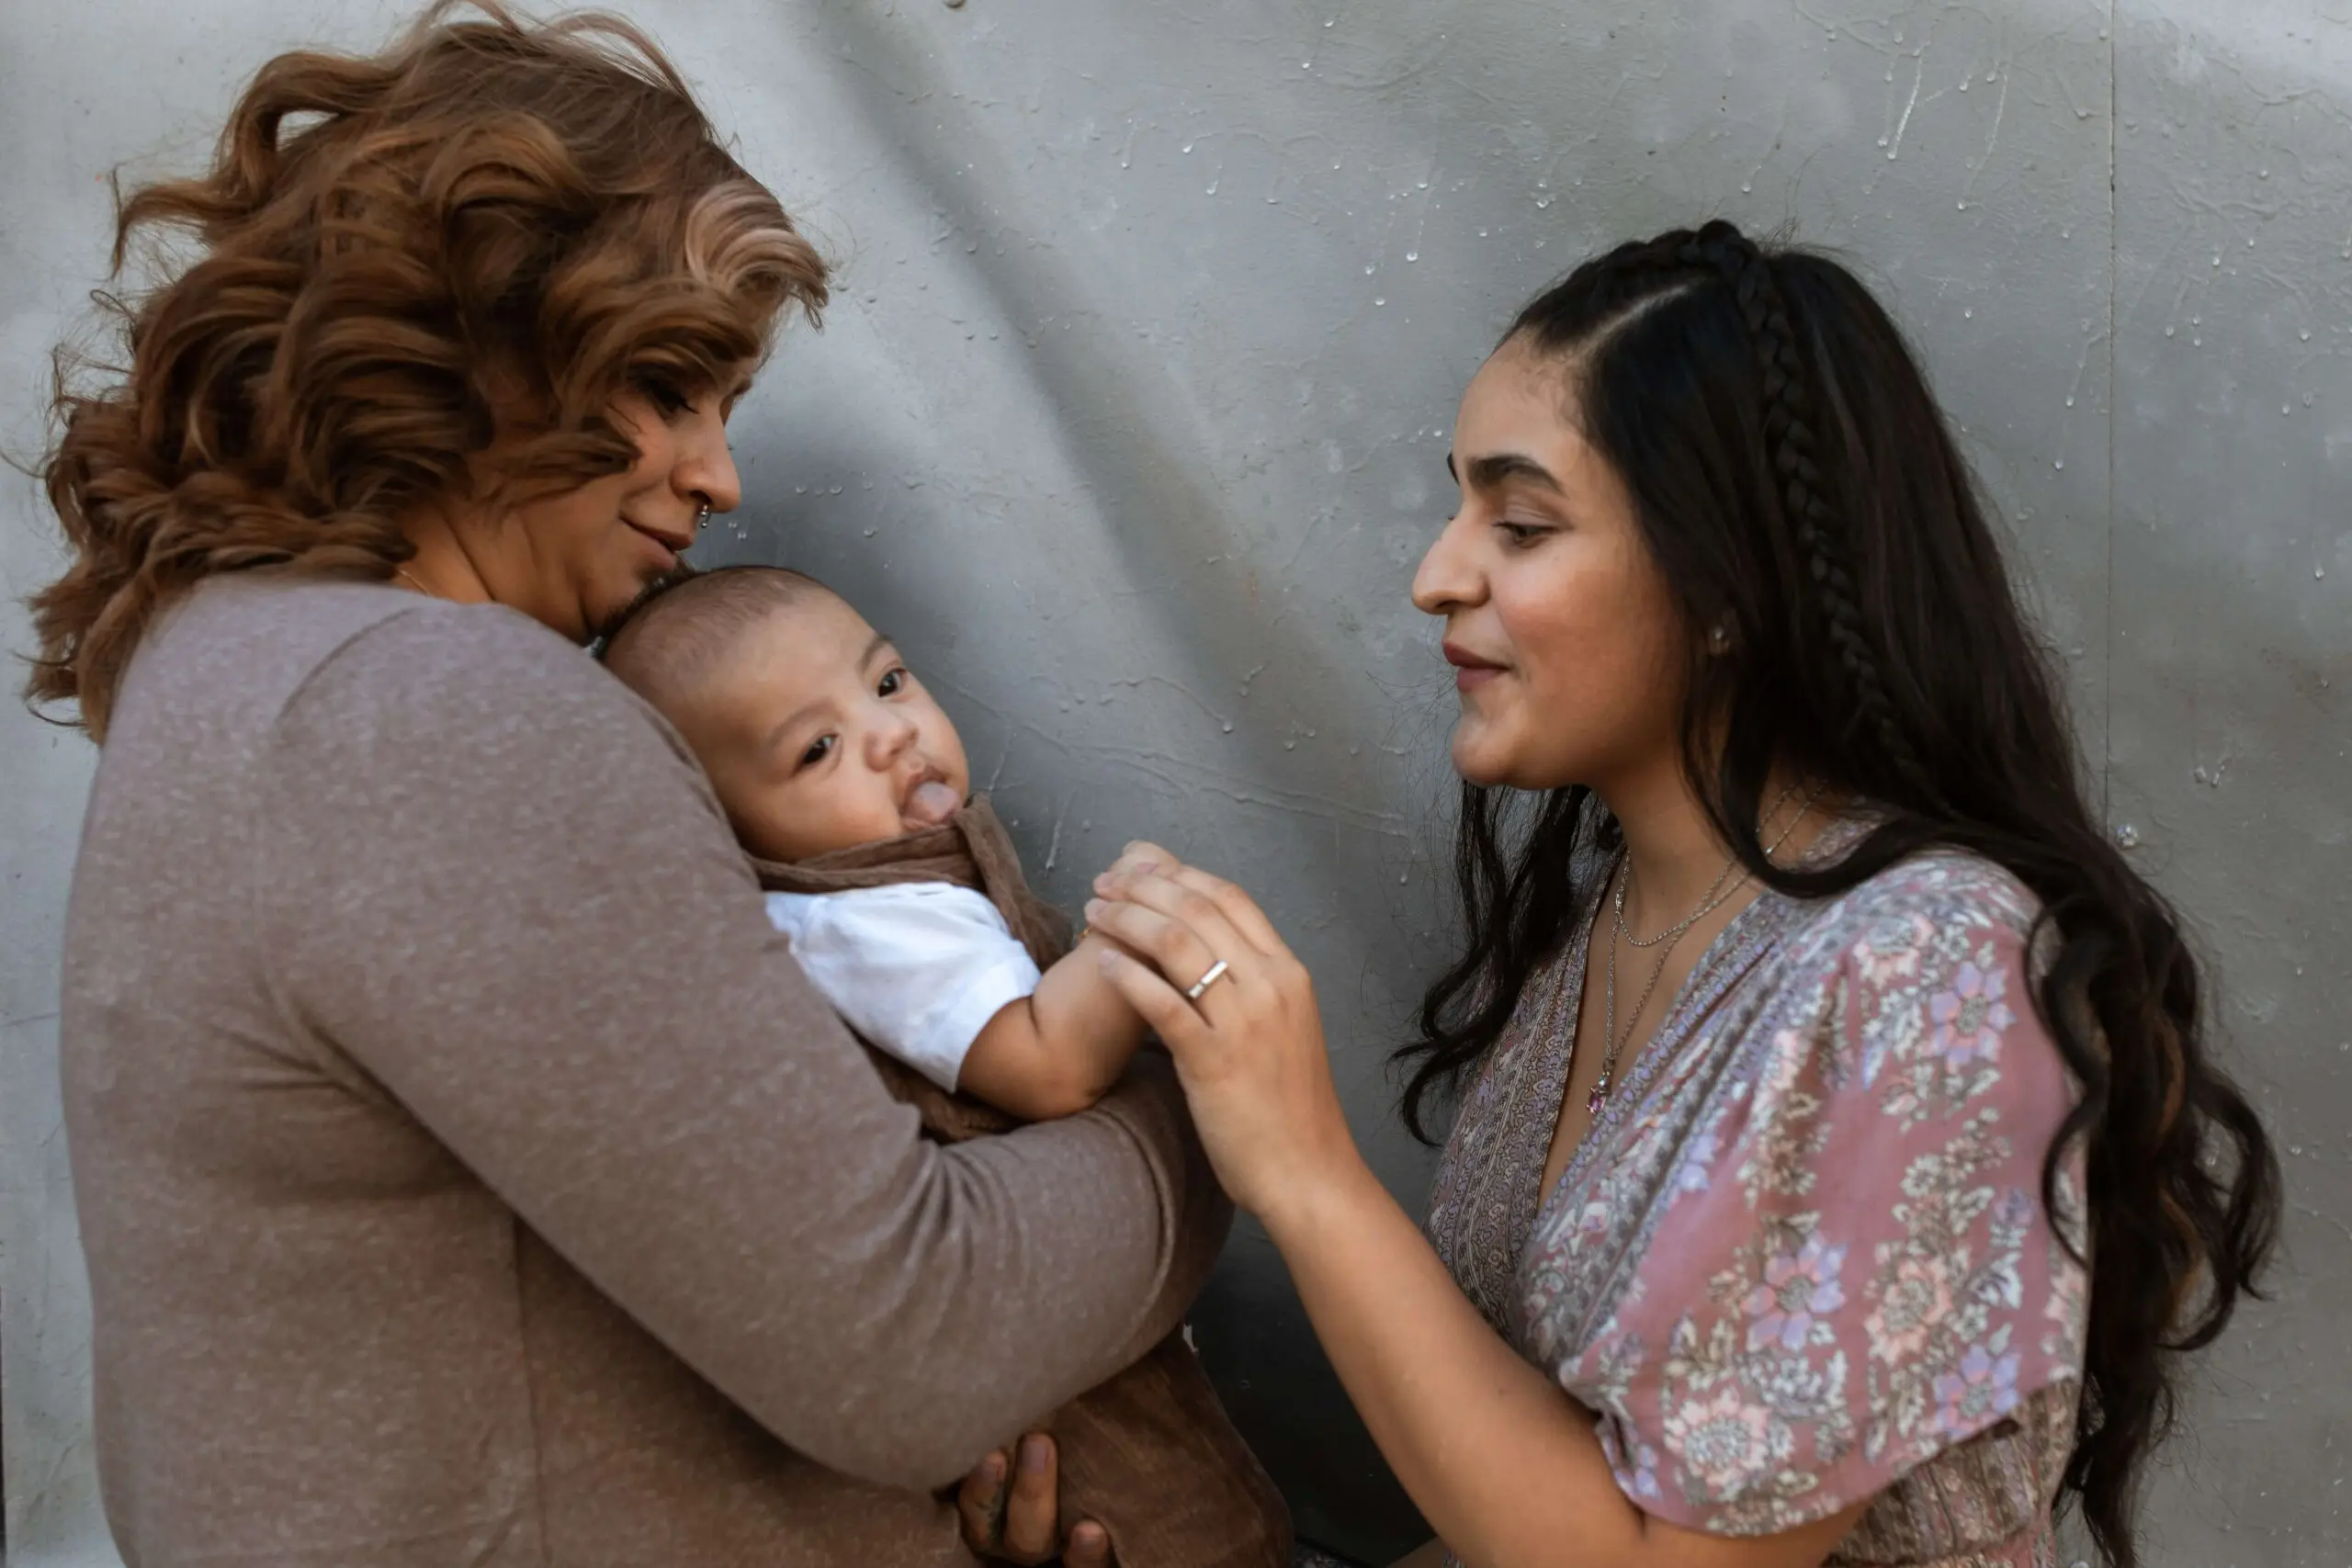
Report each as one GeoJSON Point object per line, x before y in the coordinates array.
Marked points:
{"type": "Point", "coordinates": [418, 276]}
{"type": "Point", "coordinates": [1791, 474]}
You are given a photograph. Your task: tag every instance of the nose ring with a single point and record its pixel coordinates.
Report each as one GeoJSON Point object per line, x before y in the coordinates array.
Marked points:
{"type": "Point", "coordinates": [702, 518]}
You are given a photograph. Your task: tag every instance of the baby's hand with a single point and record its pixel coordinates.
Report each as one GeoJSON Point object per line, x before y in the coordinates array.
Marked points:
{"type": "Point", "coordinates": [1139, 857]}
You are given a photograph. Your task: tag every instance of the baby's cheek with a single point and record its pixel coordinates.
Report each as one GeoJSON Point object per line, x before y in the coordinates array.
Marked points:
{"type": "Point", "coordinates": [765, 829]}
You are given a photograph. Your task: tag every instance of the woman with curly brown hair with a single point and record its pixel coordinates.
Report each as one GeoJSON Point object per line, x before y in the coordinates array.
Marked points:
{"type": "Point", "coordinates": [467, 1173]}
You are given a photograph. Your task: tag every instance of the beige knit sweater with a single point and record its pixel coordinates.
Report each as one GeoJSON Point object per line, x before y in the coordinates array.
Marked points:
{"type": "Point", "coordinates": [467, 1175]}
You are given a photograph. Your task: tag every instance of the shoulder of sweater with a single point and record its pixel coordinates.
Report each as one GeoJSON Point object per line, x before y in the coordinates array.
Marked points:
{"type": "Point", "coordinates": [448, 671]}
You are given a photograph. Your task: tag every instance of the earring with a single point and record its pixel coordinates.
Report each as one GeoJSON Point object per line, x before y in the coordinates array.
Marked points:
{"type": "Point", "coordinates": [1719, 639]}
{"type": "Point", "coordinates": [702, 518]}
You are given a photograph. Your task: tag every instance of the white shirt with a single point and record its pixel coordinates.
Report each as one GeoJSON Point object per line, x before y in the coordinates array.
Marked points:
{"type": "Point", "coordinates": [917, 968]}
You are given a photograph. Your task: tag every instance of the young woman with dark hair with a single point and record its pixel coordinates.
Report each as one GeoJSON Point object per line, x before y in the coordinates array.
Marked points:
{"type": "Point", "coordinates": [1840, 1171]}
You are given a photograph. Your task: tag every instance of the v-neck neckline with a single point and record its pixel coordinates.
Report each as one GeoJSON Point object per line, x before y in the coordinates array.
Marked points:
{"type": "Point", "coordinates": [1728, 956]}
{"type": "Point", "coordinates": [1662, 1042]}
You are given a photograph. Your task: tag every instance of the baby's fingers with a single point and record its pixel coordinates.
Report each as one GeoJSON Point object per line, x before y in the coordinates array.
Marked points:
{"type": "Point", "coordinates": [1137, 858]}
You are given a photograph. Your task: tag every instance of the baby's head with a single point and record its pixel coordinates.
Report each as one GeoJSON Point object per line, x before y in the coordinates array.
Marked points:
{"type": "Point", "coordinates": [814, 734]}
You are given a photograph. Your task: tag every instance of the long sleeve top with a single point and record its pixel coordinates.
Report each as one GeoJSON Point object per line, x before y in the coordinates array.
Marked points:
{"type": "Point", "coordinates": [467, 1174]}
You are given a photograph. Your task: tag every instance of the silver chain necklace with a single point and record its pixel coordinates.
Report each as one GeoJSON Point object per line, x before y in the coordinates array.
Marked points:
{"type": "Point", "coordinates": [1716, 897]}
{"type": "Point", "coordinates": [1717, 893]}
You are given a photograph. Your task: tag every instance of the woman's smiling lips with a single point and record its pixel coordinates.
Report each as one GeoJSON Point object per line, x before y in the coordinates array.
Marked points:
{"type": "Point", "coordinates": [672, 545]}
{"type": "Point", "coordinates": [1470, 671]}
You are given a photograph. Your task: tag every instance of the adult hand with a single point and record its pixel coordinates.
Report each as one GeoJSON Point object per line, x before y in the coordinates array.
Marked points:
{"type": "Point", "coordinates": [1250, 1050]}
{"type": "Point", "coordinates": [1011, 1514]}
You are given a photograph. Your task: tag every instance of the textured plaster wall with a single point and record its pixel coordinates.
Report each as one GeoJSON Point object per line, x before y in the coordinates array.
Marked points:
{"type": "Point", "coordinates": [1130, 422]}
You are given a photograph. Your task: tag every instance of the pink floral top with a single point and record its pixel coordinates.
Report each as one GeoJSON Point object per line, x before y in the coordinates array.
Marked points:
{"type": "Point", "coordinates": [1803, 1260]}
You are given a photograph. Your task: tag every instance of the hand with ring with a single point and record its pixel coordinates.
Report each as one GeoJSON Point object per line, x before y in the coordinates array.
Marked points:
{"type": "Point", "coordinates": [1238, 1012]}
{"type": "Point", "coordinates": [1011, 1513]}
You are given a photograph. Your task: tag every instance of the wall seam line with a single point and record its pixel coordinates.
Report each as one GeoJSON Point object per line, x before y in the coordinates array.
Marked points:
{"type": "Point", "coordinates": [2114, 399]}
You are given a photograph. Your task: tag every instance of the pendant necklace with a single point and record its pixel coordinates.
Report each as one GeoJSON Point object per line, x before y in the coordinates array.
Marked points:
{"type": "Point", "coordinates": [1666, 939]}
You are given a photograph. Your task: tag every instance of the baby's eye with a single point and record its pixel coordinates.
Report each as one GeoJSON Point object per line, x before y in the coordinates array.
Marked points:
{"type": "Point", "coordinates": [818, 750]}
{"type": "Point", "coordinates": [892, 683]}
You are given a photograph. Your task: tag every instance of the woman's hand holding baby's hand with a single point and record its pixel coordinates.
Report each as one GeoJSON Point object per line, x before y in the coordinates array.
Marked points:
{"type": "Point", "coordinates": [1250, 1050]}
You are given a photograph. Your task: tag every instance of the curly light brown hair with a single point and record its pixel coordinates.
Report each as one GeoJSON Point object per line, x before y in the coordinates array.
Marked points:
{"type": "Point", "coordinates": [421, 277]}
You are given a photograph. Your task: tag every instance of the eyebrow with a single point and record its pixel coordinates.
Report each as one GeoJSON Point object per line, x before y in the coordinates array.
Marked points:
{"type": "Point", "coordinates": [1498, 469]}
{"type": "Point", "coordinates": [791, 720]}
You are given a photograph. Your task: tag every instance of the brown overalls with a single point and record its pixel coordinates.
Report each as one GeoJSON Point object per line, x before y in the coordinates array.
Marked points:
{"type": "Point", "coordinates": [1149, 1454]}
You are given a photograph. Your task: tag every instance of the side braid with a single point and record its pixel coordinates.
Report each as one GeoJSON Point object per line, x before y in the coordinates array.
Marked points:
{"type": "Point", "coordinates": [1791, 445]}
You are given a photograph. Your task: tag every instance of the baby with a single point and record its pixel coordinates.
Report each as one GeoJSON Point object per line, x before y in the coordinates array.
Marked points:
{"type": "Point", "coordinates": [906, 907]}
{"type": "Point", "coordinates": [818, 740]}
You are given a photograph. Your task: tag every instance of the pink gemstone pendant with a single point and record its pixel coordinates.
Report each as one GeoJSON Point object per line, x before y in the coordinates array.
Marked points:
{"type": "Point", "coordinates": [1597, 1099]}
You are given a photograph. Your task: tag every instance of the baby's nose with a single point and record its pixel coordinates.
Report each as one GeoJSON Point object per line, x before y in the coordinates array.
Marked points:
{"type": "Point", "coordinates": [892, 738]}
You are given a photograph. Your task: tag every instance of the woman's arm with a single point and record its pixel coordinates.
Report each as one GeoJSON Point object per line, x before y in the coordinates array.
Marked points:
{"type": "Point", "coordinates": [1504, 1465]}
{"type": "Point", "coordinates": [499, 886]}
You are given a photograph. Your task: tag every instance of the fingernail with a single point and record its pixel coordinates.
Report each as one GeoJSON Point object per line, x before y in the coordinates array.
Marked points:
{"type": "Point", "coordinates": [1095, 910]}
{"type": "Point", "coordinates": [1144, 866]}
{"type": "Point", "coordinates": [1087, 1537]}
{"type": "Point", "coordinates": [1033, 1455]}
{"type": "Point", "coordinates": [992, 1470]}
{"type": "Point", "coordinates": [1106, 960]}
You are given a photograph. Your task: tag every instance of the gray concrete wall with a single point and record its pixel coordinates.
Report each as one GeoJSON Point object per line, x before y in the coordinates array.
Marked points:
{"type": "Point", "coordinates": [1130, 420]}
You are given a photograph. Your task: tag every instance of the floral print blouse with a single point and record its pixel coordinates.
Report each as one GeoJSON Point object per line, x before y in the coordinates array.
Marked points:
{"type": "Point", "coordinates": [1803, 1260]}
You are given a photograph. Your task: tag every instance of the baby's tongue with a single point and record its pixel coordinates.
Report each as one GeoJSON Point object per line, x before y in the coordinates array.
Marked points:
{"type": "Point", "coordinates": [932, 804]}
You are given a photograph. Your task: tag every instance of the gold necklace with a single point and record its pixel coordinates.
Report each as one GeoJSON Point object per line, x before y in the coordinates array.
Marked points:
{"type": "Point", "coordinates": [410, 578]}
{"type": "Point", "coordinates": [1598, 1098]}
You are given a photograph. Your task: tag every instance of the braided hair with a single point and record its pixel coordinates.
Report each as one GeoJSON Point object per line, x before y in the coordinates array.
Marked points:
{"type": "Point", "coordinates": [1796, 483]}
{"type": "Point", "coordinates": [1789, 440]}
